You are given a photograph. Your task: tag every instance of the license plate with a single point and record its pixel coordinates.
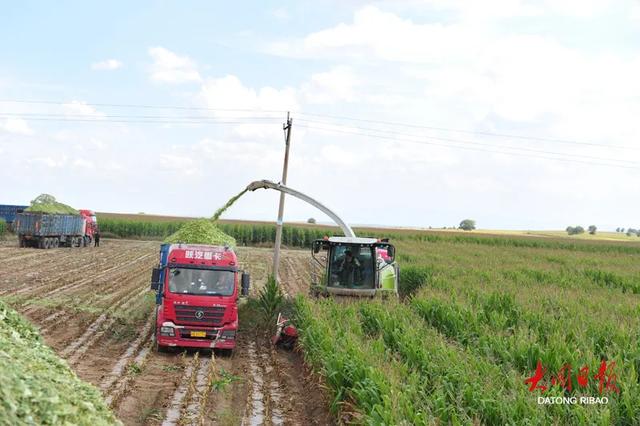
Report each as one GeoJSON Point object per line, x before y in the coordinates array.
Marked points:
{"type": "Point", "coordinates": [198, 334]}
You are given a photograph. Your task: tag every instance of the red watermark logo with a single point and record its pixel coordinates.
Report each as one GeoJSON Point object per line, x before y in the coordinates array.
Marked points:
{"type": "Point", "coordinates": [563, 379]}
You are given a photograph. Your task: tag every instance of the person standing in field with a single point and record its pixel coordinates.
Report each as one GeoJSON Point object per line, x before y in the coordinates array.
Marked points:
{"type": "Point", "coordinates": [96, 238]}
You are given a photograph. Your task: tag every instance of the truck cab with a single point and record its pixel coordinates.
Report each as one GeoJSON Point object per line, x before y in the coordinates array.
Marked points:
{"type": "Point", "coordinates": [197, 290]}
{"type": "Point", "coordinates": [91, 224]}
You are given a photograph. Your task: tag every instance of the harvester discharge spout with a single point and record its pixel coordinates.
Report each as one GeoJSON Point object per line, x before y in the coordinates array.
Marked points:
{"type": "Point", "coordinates": [266, 184]}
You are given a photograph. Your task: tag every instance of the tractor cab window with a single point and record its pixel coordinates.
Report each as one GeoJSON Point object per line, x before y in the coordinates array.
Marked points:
{"type": "Point", "coordinates": [201, 282]}
{"type": "Point", "coordinates": [352, 266]}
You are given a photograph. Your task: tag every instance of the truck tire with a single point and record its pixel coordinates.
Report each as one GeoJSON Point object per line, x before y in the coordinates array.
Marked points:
{"type": "Point", "coordinates": [84, 242]}
{"type": "Point", "coordinates": [56, 242]}
{"type": "Point", "coordinates": [48, 242]}
{"type": "Point", "coordinates": [157, 347]}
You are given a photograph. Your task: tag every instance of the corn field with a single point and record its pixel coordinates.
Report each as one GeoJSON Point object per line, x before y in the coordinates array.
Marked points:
{"type": "Point", "coordinates": [475, 318]}
{"type": "Point", "coordinates": [244, 233]}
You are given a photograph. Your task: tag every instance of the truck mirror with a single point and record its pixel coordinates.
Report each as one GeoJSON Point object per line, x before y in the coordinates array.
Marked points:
{"type": "Point", "coordinates": [245, 282]}
{"type": "Point", "coordinates": [155, 278]}
{"type": "Point", "coordinates": [316, 246]}
{"type": "Point", "coordinates": [391, 252]}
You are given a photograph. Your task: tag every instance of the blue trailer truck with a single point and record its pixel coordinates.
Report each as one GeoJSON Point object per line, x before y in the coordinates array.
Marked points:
{"type": "Point", "coordinates": [8, 212]}
{"type": "Point", "coordinates": [45, 230]}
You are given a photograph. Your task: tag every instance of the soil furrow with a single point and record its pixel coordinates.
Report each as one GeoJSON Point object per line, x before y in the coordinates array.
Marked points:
{"type": "Point", "coordinates": [174, 410]}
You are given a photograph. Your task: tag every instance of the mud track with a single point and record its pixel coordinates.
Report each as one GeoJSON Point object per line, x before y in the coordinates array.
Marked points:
{"type": "Point", "coordinates": [93, 307]}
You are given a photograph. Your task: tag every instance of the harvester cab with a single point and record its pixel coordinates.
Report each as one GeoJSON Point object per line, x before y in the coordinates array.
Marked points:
{"type": "Point", "coordinates": [353, 266]}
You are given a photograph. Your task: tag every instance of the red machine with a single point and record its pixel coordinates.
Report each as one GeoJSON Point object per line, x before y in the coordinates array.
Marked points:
{"type": "Point", "coordinates": [197, 289]}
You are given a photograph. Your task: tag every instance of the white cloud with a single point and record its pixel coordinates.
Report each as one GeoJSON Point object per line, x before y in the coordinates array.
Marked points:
{"type": "Point", "coordinates": [168, 67]}
{"type": "Point", "coordinates": [75, 108]}
{"type": "Point", "coordinates": [229, 93]}
{"type": "Point", "coordinates": [336, 85]}
{"type": "Point", "coordinates": [182, 164]}
{"type": "Point", "coordinates": [16, 126]}
{"type": "Point", "coordinates": [106, 65]}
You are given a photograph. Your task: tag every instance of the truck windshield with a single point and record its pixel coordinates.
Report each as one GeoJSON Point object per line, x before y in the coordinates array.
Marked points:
{"type": "Point", "coordinates": [201, 282]}
{"type": "Point", "coordinates": [351, 266]}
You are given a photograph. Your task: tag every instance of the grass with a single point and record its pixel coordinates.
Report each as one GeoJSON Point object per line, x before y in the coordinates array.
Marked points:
{"type": "Point", "coordinates": [223, 379]}
{"type": "Point", "coordinates": [478, 312]}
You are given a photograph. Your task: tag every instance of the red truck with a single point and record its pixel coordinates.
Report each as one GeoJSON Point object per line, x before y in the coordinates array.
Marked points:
{"type": "Point", "coordinates": [197, 290]}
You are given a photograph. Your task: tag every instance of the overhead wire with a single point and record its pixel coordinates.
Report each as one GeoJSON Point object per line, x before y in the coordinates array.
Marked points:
{"type": "Point", "coordinates": [467, 142]}
{"type": "Point", "coordinates": [396, 135]}
{"type": "Point", "coordinates": [475, 132]}
{"type": "Point", "coordinates": [469, 148]}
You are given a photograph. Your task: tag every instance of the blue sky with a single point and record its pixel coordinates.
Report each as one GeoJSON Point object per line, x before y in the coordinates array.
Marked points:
{"type": "Point", "coordinates": [558, 71]}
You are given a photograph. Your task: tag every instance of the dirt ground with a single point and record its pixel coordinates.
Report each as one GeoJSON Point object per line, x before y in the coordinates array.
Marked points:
{"type": "Point", "coordinates": [94, 308]}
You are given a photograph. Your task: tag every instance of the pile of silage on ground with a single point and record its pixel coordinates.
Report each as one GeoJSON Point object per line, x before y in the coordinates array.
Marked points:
{"type": "Point", "coordinates": [45, 203]}
{"type": "Point", "coordinates": [36, 386]}
{"type": "Point", "coordinates": [201, 231]}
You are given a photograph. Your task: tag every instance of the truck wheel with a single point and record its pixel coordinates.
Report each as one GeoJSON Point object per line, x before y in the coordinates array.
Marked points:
{"type": "Point", "coordinates": [226, 353]}
{"type": "Point", "coordinates": [45, 243]}
{"type": "Point", "coordinates": [56, 243]}
{"type": "Point", "coordinates": [157, 347]}
{"type": "Point", "coordinates": [84, 242]}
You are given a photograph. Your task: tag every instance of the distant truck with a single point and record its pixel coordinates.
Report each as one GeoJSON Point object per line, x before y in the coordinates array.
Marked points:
{"type": "Point", "coordinates": [46, 230]}
{"type": "Point", "coordinates": [8, 212]}
{"type": "Point", "coordinates": [197, 290]}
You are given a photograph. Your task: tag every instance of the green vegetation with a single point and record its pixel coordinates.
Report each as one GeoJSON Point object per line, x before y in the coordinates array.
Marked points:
{"type": "Point", "coordinates": [45, 203]}
{"type": "Point", "coordinates": [202, 231]}
{"type": "Point", "coordinates": [220, 382]}
{"type": "Point", "coordinates": [229, 203]}
{"type": "Point", "coordinates": [576, 230]}
{"type": "Point", "coordinates": [270, 301]}
{"type": "Point", "coordinates": [3, 227]}
{"type": "Point", "coordinates": [36, 386]}
{"type": "Point", "coordinates": [467, 225]}
{"type": "Point", "coordinates": [478, 314]}
{"type": "Point", "coordinates": [244, 234]}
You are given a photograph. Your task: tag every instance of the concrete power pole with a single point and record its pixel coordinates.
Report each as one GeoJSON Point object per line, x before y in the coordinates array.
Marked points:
{"type": "Point", "coordinates": [276, 251]}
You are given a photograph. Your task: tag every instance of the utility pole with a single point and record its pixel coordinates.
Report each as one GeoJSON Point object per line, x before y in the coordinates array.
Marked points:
{"type": "Point", "coordinates": [276, 252]}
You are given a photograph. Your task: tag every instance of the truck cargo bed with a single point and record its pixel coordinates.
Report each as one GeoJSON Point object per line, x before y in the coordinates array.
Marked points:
{"type": "Point", "coordinates": [49, 225]}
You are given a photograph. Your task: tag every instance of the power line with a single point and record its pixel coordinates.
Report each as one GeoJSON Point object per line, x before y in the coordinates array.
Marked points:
{"type": "Point", "coordinates": [335, 117]}
{"type": "Point", "coordinates": [100, 121]}
{"type": "Point", "coordinates": [470, 148]}
{"type": "Point", "coordinates": [181, 107]}
{"type": "Point", "coordinates": [472, 142]}
{"type": "Point", "coordinates": [128, 116]}
{"type": "Point", "coordinates": [474, 132]}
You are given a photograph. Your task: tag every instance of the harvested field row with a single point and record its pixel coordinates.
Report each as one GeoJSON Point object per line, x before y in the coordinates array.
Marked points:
{"type": "Point", "coordinates": [94, 308]}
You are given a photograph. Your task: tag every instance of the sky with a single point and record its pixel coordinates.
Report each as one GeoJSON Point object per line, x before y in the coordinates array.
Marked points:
{"type": "Point", "coordinates": [517, 114]}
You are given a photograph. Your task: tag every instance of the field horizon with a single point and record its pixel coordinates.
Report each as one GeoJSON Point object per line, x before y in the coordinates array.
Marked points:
{"type": "Point", "coordinates": [534, 233]}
